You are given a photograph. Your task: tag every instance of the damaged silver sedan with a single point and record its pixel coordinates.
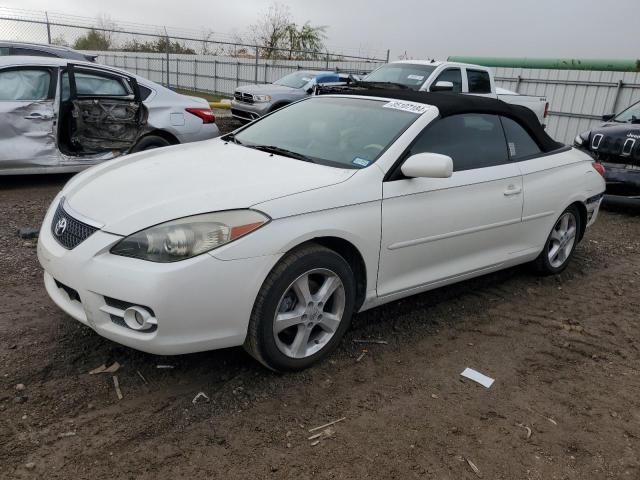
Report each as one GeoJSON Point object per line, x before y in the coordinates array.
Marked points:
{"type": "Point", "coordinates": [59, 116]}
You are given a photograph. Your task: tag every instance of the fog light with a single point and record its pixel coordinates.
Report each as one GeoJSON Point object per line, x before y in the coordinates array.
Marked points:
{"type": "Point", "coordinates": [138, 318]}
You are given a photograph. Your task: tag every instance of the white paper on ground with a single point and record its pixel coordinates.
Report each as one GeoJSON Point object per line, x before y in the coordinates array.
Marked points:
{"type": "Point", "coordinates": [478, 377]}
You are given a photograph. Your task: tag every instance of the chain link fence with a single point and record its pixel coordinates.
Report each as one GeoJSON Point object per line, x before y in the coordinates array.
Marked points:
{"type": "Point", "coordinates": [180, 59]}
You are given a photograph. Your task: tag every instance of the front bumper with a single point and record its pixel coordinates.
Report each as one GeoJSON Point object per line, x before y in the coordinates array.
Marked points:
{"type": "Point", "coordinates": [249, 111]}
{"type": "Point", "coordinates": [623, 183]}
{"type": "Point", "coordinates": [200, 304]}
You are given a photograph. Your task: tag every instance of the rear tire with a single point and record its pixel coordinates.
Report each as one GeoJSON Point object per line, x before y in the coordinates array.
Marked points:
{"type": "Point", "coordinates": [560, 244]}
{"type": "Point", "coordinates": [149, 143]}
{"type": "Point", "coordinates": [302, 310]}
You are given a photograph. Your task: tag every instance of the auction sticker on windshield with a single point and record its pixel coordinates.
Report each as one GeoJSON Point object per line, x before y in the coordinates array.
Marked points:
{"type": "Point", "coordinates": [416, 108]}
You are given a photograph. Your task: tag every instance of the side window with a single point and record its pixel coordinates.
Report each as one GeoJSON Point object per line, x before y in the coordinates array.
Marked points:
{"type": "Point", "coordinates": [25, 84]}
{"type": "Point", "coordinates": [4, 51]}
{"type": "Point", "coordinates": [144, 92]}
{"type": "Point", "coordinates": [519, 142]}
{"type": "Point", "coordinates": [452, 75]}
{"type": "Point", "coordinates": [94, 85]}
{"type": "Point", "coordinates": [471, 140]}
{"type": "Point", "coordinates": [479, 81]}
{"type": "Point", "coordinates": [30, 52]}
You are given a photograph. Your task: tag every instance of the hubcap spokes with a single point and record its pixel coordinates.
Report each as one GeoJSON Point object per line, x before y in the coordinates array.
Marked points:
{"type": "Point", "coordinates": [309, 313]}
{"type": "Point", "coordinates": [563, 237]}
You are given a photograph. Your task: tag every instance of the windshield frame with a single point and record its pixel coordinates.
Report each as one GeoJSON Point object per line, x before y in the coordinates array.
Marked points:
{"type": "Point", "coordinates": [635, 105]}
{"type": "Point", "coordinates": [230, 137]}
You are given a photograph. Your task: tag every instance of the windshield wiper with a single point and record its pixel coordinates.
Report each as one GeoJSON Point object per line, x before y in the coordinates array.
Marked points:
{"type": "Point", "coordinates": [232, 137]}
{"type": "Point", "coordinates": [282, 151]}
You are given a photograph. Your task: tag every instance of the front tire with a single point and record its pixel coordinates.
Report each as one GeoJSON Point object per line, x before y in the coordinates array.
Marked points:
{"type": "Point", "coordinates": [561, 243]}
{"type": "Point", "coordinates": [302, 310]}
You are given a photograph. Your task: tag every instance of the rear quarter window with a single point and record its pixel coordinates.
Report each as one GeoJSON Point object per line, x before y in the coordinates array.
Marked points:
{"type": "Point", "coordinates": [144, 92]}
{"type": "Point", "coordinates": [519, 142]}
{"type": "Point", "coordinates": [479, 81]}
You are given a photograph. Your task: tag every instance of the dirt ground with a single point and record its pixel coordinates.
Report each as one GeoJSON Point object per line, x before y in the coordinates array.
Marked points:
{"type": "Point", "coordinates": [565, 353]}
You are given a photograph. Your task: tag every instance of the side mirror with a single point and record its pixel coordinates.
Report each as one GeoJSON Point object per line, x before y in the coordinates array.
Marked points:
{"type": "Point", "coordinates": [429, 165]}
{"type": "Point", "coordinates": [608, 117]}
{"type": "Point", "coordinates": [442, 86]}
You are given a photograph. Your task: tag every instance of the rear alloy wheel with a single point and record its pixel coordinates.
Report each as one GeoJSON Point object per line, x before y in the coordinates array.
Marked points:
{"type": "Point", "coordinates": [561, 243]}
{"type": "Point", "coordinates": [149, 143]}
{"type": "Point", "coordinates": [302, 310]}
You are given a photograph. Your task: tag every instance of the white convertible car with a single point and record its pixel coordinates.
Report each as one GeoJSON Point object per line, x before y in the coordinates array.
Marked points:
{"type": "Point", "coordinates": [272, 237]}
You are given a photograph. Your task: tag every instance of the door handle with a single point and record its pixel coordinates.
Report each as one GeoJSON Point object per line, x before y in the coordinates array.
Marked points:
{"type": "Point", "coordinates": [512, 190]}
{"type": "Point", "coordinates": [38, 116]}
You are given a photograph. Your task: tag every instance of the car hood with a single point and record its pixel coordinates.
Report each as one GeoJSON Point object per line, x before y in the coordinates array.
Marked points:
{"type": "Point", "coordinates": [270, 89]}
{"type": "Point", "coordinates": [618, 140]}
{"type": "Point", "coordinates": [148, 188]}
{"type": "Point", "coordinates": [618, 129]}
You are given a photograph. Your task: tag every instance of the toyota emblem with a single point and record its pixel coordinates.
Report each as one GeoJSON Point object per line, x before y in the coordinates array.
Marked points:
{"type": "Point", "coordinates": [60, 227]}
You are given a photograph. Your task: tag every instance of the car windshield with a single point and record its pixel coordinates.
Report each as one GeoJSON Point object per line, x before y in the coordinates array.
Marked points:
{"type": "Point", "coordinates": [336, 131]}
{"type": "Point", "coordinates": [631, 114]}
{"type": "Point", "coordinates": [296, 80]}
{"type": "Point", "coordinates": [407, 74]}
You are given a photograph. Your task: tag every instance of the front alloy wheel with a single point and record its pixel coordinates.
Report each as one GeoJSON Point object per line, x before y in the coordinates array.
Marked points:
{"type": "Point", "coordinates": [309, 313]}
{"type": "Point", "coordinates": [302, 310]}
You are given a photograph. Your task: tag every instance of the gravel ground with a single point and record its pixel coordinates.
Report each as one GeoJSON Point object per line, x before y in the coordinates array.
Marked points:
{"type": "Point", "coordinates": [565, 352]}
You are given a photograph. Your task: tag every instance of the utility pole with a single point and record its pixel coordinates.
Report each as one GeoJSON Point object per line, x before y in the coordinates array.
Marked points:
{"type": "Point", "coordinates": [48, 28]}
{"type": "Point", "coordinates": [167, 55]}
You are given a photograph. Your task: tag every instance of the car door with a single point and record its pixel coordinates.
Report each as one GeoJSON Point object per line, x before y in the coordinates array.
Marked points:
{"type": "Point", "coordinates": [27, 117]}
{"type": "Point", "coordinates": [438, 229]}
{"type": "Point", "coordinates": [102, 112]}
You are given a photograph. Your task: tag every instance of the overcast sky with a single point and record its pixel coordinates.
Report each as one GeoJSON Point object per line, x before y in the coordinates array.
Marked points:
{"type": "Point", "coordinates": [422, 28]}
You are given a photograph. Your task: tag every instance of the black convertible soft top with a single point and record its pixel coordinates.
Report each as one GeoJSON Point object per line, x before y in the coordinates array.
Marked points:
{"type": "Point", "coordinates": [454, 103]}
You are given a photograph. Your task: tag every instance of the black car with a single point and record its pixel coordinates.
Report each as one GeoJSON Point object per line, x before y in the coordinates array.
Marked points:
{"type": "Point", "coordinates": [616, 144]}
{"type": "Point", "coordinates": [43, 50]}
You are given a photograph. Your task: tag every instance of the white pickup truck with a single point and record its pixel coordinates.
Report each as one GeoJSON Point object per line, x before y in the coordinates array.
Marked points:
{"type": "Point", "coordinates": [434, 76]}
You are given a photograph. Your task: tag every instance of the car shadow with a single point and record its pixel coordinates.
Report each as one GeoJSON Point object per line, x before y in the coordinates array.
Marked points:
{"type": "Point", "coordinates": [34, 181]}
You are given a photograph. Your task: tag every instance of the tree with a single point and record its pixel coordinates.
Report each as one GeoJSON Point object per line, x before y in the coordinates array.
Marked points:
{"type": "Point", "coordinates": [92, 40]}
{"type": "Point", "coordinates": [60, 41]}
{"type": "Point", "coordinates": [279, 37]}
{"type": "Point", "coordinates": [161, 45]}
{"type": "Point", "coordinates": [305, 42]}
{"type": "Point", "coordinates": [98, 38]}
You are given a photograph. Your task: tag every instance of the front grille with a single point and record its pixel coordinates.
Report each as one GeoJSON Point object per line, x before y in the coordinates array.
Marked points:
{"type": "Point", "coordinates": [243, 97]}
{"type": "Point", "coordinates": [68, 231]}
{"type": "Point", "coordinates": [616, 149]}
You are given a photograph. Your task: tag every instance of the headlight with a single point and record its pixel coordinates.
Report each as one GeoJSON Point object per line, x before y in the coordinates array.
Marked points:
{"type": "Point", "coordinates": [262, 98]}
{"type": "Point", "coordinates": [190, 236]}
